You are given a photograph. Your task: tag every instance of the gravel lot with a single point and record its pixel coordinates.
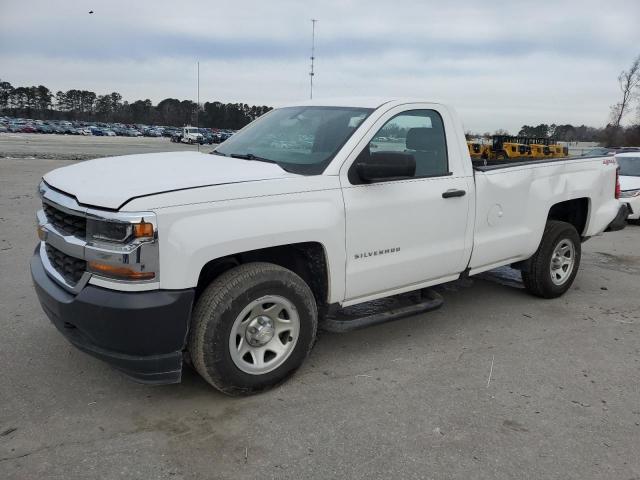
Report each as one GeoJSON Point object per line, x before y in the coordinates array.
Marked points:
{"type": "Point", "coordinates": [411, 399]}
{"type": "Point", "coordinates": [78, 147]}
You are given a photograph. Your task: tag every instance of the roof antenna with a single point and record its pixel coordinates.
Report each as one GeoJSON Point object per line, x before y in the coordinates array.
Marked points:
{"type": "Point", "coordinates": [313, 50]}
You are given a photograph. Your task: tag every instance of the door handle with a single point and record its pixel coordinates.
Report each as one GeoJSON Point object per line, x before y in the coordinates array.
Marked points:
{"type": "Point", "coordinates": [452, 192]}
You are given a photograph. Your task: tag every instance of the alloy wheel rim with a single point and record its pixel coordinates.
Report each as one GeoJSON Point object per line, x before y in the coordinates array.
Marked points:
{"type": "Point", "coordinates": [563, 261]}
{"type": "Point", "coordinates": [264, 334]}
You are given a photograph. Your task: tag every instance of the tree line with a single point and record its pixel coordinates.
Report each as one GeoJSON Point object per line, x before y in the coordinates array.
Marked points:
{"type": "Point", "coordinates": [38, 102]}
{"type": "Point", "coordinates": [41, 103]}
{"type": "Point", "coordinates": [609, 135]}
{"type": "Point", "coordinates": [613, 134]}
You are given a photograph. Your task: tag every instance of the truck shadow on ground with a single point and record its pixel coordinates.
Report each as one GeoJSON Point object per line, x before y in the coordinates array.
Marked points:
{"type": "Point", "coordinates": [492, 282]}
{"type": "Point", "coordinates": [331, 348]}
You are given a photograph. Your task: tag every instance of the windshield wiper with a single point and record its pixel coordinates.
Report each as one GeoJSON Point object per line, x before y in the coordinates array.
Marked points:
{"type": "Point", "coordinates": [251, 156]}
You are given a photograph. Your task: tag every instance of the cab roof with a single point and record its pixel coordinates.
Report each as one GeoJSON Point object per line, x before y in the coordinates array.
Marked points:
{"type": "Point", "coordinates": [357, 102]}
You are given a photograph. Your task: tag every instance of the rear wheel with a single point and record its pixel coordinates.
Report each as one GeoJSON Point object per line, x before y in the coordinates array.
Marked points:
{"type": "Point", "coordinates": [252, 328]}
{"type": "Point", "coordinates": [550, 272]}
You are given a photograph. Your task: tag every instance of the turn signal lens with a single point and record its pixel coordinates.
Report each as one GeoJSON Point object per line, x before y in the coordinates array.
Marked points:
{"type": "Point", "coordinates": [143, 230]}
{"type": "Point", "coordinates": [123, 273]}
{"type": "Point", "coordinates": [41, 235]}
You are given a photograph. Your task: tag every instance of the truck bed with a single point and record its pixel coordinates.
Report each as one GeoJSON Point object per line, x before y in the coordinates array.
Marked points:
{"type": "Point", "coordinates": [488, 165]}
{"type": "Point", "coordinates": [513, 204]}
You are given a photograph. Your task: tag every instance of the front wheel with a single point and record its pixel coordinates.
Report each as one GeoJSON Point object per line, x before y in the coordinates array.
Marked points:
{"type": "Point", "coordinates": [550, 272]}
{"type": "Point", "coordinates": [252, 328]}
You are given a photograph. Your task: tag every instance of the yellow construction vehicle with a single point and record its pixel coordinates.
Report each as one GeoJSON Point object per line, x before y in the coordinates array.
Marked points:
{"type": "Point", "coordinates": [540, 148]}
{"type": "Point", "coordinates": [474, 149]}
{"type": "Point", "coordinates": [479, 150]}
{"type": "Point", "coordinates": [558, 151]}
{"type": "Point", "coordinates": [505, 147]}
{"type": "Point", "coordinates": [539, 151]}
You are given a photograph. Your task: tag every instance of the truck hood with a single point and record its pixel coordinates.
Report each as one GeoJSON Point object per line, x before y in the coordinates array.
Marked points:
{"type": "Point", "coordinates": [113, 181]}
{"type": "Point", "coordinates": [629, 183]}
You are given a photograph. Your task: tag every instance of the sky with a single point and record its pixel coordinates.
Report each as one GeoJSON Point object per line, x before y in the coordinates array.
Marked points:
{"type": "Point", "coordinates": [501, 64]}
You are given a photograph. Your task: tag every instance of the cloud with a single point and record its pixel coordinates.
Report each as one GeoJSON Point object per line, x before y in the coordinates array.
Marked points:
{"type": "Point", "coordinates": [501, 64]}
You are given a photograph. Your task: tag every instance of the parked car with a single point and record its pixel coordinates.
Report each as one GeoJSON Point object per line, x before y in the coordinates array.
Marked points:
{"type": "Point", "coordinates": [206, 139]}
{"type": "Point", "coordinates": [594, 152]}
{"type": "Point", "coordinates": [610, 150]}
{"type": "Point", "coordinates": [108, 133]}
{"type": "Point", "coordinates": [152, 132]}
{"type": "Point", "coordinates": [627, 150]}
{"type": "Point", "coordinates": [238, 257]}
{"type": "Point", "coordinates": [629, 164]}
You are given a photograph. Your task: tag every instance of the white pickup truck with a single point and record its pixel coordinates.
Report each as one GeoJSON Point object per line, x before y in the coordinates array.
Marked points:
{"type": "Point", "coordinates": [190, 135]}
{"type": "Point", "coordinates": [231, 260]}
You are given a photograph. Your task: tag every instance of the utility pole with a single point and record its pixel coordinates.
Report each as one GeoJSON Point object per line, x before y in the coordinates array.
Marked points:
{"type": "Point", "coordinates": [198, 104]}
{"type": "Point", "coordinates": [313, 51]}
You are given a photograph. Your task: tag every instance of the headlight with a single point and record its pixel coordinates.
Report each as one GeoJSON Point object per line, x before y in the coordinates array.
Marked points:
{"type": "Point", "coordinates": [123, 246]}
{"type": "Point", "coordinates": [117, 231]}
{"type": "Point", "coordinates": [630, 193]}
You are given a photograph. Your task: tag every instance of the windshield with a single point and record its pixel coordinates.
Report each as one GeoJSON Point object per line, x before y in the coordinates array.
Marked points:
{"type": "Point", "coordinates": [629, 166]}
{"type": "Point", "coordinates": [192, 130]}
{"type": "Point", "coordinates": [299, 139]}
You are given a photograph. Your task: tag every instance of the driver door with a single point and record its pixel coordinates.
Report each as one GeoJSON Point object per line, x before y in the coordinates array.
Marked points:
{"type": "Point", "coordinates": [402, 234]}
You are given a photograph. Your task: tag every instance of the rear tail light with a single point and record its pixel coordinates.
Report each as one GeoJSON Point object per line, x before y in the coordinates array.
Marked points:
{"type": "Point", "coordinates": [618, 183]}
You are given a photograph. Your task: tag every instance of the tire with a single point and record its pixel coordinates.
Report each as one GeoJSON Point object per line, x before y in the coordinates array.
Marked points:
{"type": "Point", "coordinates": [220, 321]}
{"type": "Point", "coordinates": [542, 275]}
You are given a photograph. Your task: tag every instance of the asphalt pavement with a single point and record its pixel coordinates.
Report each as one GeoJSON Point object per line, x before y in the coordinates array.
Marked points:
{"type": "Point", "coordinates": [496, 384]}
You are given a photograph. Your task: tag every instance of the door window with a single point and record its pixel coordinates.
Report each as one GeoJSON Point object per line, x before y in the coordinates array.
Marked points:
{"type": "Point", "coordinates": [416, 132]}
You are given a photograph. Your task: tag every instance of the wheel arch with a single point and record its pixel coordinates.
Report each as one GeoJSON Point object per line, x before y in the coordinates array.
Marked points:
{"type": "Point", "coordinates": [307, 259]}
{"type": "Point", "coordinates": [574, 211]}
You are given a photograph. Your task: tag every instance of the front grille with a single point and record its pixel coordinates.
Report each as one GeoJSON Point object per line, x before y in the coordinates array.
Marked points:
{"type": "Point", "coordinates": [70, 268]}
{"type": "Point", "coordinates": [66, 222]}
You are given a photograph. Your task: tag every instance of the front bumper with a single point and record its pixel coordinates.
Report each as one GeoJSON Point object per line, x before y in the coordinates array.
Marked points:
{"type": "Point", "coordinates": [620, 221]}
{"type": "Point", "coordinates": [142, 334]}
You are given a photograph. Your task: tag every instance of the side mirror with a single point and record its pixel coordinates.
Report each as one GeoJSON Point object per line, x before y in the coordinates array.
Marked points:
{"type": "Point", "coordinates": [381, 166]}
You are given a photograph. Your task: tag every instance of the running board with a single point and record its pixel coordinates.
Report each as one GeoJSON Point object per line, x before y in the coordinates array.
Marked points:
{"type": "Point", "coordinates": [401, 306]}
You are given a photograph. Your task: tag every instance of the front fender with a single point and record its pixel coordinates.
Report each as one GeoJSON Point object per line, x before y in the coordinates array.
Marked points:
{"type": "Point", "coordinates": [190, 236]}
